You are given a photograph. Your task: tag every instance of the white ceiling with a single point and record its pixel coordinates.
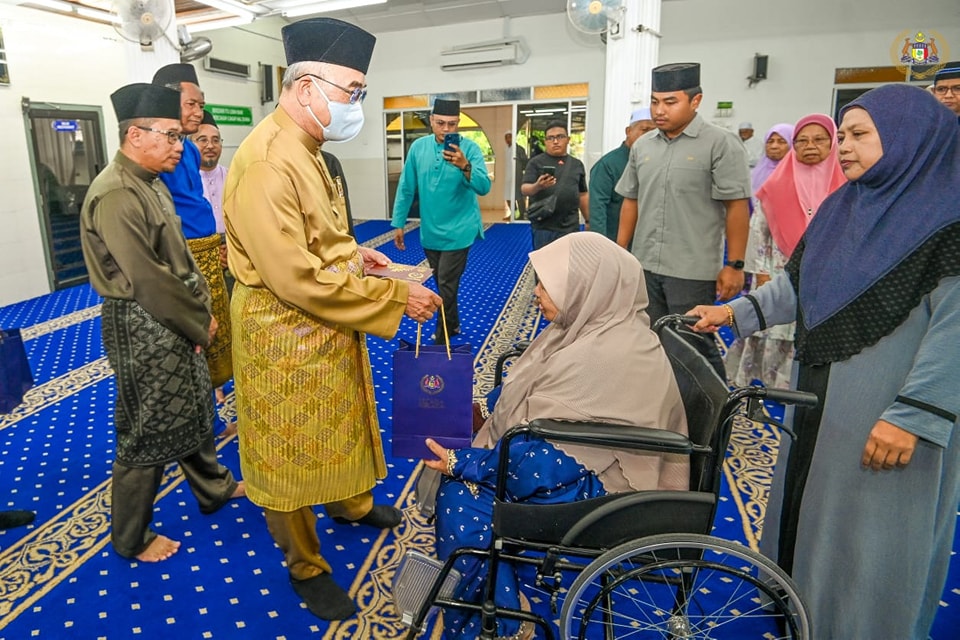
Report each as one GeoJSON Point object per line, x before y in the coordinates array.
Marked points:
{"type": "Point", "coordinates": [699, 19]}
{"type": "Point", "coordinates": [398, 15]}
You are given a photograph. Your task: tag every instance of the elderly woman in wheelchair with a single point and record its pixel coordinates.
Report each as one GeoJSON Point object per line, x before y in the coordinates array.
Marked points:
{"type": "Point", "coordinates": [602, 456]}
{"type": "Point", "coordinates": [598, 360]}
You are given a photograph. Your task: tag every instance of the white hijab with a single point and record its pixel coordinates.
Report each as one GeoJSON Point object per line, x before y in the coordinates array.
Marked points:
{"type": "Point", "coordinates": [598, 361]}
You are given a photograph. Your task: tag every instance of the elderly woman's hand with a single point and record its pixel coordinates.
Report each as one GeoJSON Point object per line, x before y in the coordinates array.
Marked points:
{"type": "Point", "coordinates": [888, 446]}
{"type": "Point", "coordinates": [442, 464]}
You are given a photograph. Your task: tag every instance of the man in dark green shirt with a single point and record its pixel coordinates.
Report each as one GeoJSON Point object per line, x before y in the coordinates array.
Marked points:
{"type": "Point", "coordinates": [604, 200]}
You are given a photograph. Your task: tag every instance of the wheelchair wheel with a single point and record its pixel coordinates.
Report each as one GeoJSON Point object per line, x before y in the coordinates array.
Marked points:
{"type": "Point", "coordinates": [683, 586]}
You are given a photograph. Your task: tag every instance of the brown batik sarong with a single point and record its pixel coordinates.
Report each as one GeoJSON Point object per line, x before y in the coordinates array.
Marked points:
{"type": "Point", "coordinates": [206, 253]}
{"type": "Point", "coordinates": [163, 410]}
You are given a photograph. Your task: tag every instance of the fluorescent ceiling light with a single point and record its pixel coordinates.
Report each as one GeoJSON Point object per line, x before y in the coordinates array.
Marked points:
{"type": "Point", "coordinates": [236, 8]}
{"type": "Point", "coordinates": [75, 9]}
{"type": "Point", "coordinates": [199, 24]}
{"type": "Point", "coordinates": [324, 7]}
{"type": "Point", "coordinates": [51, 4]}
{"type": "Point", "coordinates": [96, 14]}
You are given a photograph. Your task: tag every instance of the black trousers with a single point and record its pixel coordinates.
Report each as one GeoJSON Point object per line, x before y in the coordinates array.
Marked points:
{"type": "Point", "coordinates": [448, 268]}
{"type": "Point", "coordinates": [670, 295]}
{"type": "Point", "coordinates": [135, 489]}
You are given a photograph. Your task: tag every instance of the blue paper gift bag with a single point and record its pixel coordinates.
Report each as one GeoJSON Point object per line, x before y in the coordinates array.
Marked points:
{"type": "Point", "coordinates": [432, 398]}
{"type": "Point", "coordinates": [15, 375]}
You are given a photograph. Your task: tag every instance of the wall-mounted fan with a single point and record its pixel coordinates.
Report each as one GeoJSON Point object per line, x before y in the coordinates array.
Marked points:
{"type": "Point", "coordinates": [192, 48]}
{"type": "Point", "coordinates": [143, 21]}
{"type": "Point", "coordinates": [593, 16]}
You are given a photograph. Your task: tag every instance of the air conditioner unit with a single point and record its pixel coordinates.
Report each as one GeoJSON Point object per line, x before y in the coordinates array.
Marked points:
{"type": "Point", "coordinates": [484, 54]}
{"type": "Point", "coordinates": [217, 65]}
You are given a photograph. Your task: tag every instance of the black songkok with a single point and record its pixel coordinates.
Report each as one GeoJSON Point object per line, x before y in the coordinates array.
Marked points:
{"type": "Point", "coordinates": [446, 107]}
{"type": "Point", "coordinates": [209, 119]}
{"type": "Point", "coordinates": [950, 71]}
{"type": "Point", "coordinates": [676, 77]}
{"type": "Point", "coordinates": [328, 40]}
{"type": "Point", "coordinates": [142, 100]}
{"type": "Point", "coordinates": [175, 74]}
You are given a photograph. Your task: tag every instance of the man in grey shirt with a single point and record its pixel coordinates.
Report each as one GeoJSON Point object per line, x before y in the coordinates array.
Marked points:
{"type": "Point", "coordinates": [685, 184]}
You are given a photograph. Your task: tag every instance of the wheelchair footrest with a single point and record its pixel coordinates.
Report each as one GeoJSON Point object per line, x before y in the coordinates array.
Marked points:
{"type": "Point", "coordinates": [413, 580]}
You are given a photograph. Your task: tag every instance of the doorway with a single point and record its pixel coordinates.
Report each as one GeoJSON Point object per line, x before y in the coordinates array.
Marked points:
{"type": "Point", "coordinates": [402, 128]}
{"type": "Point", "coordinates": [487, 125]}
{"type": "Point", "coordinates": [66, 153]}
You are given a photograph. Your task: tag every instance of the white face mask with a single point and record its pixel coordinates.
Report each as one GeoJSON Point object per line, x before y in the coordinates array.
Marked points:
{"type": "Point", "coordinates": [346, 119]}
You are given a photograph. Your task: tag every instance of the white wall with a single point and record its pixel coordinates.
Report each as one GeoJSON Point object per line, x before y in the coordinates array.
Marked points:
{"type": "Point", "coordinates": [71, 61]}
{"type": "Point", "coordinates": [50, 59]}
{"type": "Point", "coordinates": [408, 62]}
{"type": "Point", "coordinates": [804, 48]}
{"type": "Point", "coordinates": [256, 44]}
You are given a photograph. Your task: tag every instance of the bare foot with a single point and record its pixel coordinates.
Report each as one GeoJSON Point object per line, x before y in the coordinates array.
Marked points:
{"type": "Point", "coordinates": [231, 430]}
{"type": "Point", "coordinates": [219, 395]}
{"type": "Point", "coordinates": [159, 550]}
{"type": "Point", "coordinates": [240, 491]}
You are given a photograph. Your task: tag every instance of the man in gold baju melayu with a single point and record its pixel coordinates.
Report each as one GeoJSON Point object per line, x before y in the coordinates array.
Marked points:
{"type": "Point", "coordinates": [307, 419]}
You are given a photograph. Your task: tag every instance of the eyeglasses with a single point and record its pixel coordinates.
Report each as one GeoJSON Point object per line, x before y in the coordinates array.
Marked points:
{"type": "Point", "coordinates": [203, 141]}
{"type": "Point", "coordinates": [173, 137]}
{"type": "Point", "coordinates": [943, 90]}
{"type": "Point", "coordinates": [560, 138]}
{"type": "Point", "coordinates": [819, 141]}
{"type": "Point", "coordinates": [359, 94]}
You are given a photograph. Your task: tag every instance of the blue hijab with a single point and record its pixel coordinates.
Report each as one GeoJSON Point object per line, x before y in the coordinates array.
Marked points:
{"type": "Point", "coordinates": [868, 227]}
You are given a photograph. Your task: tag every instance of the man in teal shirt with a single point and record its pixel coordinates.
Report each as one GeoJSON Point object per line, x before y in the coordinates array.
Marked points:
{"type": "Point", "coordinates": [447, 178]}
{"type": "Point", "coordinates": [604, 200]}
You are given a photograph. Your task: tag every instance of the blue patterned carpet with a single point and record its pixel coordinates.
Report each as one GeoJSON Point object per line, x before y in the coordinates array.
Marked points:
{"type": "Point", "coordinates": [59, 577]}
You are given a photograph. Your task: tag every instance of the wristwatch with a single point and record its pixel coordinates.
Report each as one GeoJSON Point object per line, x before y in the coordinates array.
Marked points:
{"type": "Point", "coordinates": [736, 264]}
{"type": "Point", "coordinates": [466, 168]}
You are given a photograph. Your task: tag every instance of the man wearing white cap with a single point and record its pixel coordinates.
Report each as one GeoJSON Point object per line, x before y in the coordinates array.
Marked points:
{"type": "Point", "coordinates": [751, 144]}
{"type": "Point", "coordinates": [604, 200]}
{"type": "Point", "coordinates": [513, 176]}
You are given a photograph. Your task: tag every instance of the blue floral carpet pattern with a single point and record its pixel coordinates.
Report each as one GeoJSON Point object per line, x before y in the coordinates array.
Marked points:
{"type": "Point", "coordinates": [59, 577]}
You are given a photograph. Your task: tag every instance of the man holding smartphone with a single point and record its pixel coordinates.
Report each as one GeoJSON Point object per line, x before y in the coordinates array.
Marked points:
{"type": "Point", "coordinates": [447, 172]}
{"type": "Point", "coordinates": [556, 184]}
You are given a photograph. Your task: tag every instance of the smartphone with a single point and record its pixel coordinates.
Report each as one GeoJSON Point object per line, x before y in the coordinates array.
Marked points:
{"type": "Point", "coordinates": [550, 171]}
{"type": "Point", "coordinates": [450, 139]}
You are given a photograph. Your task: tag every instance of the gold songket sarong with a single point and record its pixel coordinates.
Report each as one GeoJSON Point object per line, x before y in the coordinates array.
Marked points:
{"type": "Point", "coordinates": [206, 253]}
{"type": "Point", "coordinates": [306, 411]}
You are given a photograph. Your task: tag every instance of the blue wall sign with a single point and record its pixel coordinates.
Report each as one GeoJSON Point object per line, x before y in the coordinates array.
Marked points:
{"type": "Point", "coordinates": [65, 125]}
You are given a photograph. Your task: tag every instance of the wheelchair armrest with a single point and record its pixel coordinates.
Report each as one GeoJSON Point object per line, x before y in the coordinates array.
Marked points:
{"type": "Point", "coordinates": [595, 434]}
{"type": "Point", "coordinates": [517, 350]}
{"type": "Point", "coordinates": [618, 436]}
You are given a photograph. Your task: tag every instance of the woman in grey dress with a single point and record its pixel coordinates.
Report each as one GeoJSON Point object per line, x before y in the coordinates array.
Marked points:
{"type": "Point", "coordinates": [871, 485]}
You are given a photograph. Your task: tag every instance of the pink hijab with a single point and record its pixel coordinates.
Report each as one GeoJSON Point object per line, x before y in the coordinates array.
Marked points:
{"type": "Point", "coordinates": [792, 194]}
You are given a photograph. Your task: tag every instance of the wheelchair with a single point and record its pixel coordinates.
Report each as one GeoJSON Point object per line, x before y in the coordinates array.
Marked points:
{"type": "Point", "coordinates": [645, 565]}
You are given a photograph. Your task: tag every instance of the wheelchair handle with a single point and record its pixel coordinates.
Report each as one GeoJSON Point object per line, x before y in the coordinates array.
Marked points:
{"type": "Point", "coordinates": [789, 396]}
{"type": "Point", "coordinates": [675, 318]}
